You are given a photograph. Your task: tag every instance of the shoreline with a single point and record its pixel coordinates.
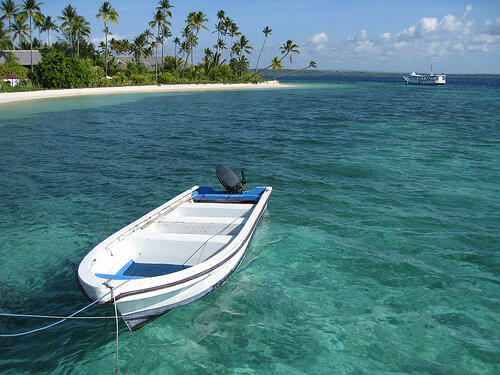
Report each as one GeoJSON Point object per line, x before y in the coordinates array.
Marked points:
{"type": "Point", "coordinates": [10, 97]}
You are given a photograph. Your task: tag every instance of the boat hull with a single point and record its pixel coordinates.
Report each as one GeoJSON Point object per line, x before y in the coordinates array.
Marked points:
{"type": "Point", "coordinates": [141, 310]}
{"type": "Point", "coordinates": [418, 79]}
{"type": "Point", "coordinates": [217, 233]}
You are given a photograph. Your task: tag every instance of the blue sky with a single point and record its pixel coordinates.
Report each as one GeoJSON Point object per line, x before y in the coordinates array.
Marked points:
{"type": "Point", "coordinates": [456, 36]}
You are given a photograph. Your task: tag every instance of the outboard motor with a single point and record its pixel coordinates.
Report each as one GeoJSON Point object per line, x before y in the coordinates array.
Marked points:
{"type": "Point", "coordinates": [230, 180]}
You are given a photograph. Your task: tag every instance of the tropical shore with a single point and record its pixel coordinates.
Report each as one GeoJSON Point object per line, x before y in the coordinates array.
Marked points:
{"type": "Point", "coordinates": [9, 97]}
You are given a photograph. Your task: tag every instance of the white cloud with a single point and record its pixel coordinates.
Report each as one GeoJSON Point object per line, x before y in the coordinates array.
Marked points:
{"type": "Point", "coordinates": [450, 24]}
{"type": "Point", "coordinates": [96, 41]}
{"type": "Point", "coordinates": [319, 40]}
{"type": "Point", "coordinates": [431, 39]}
{"type": "Point", "coordinates": [363, 35]}
{"type": "Point", "coordinates": [468, 8]}
{"type": "Point", "coordinates": [426, 26]}
{"type": "Point", "coordinates": [408, 33]}
{"type": "Point", "coordinates": [492, 27]}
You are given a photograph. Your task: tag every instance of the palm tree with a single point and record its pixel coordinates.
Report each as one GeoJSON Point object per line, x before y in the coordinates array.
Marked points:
{"type": "Point", "coordinates": [158, 22]}
{"type": "Point", "coordinates": [286, 49]}
{"type": "Point", "coordinates": [312, 64]}
{"type": "Point", "coordinates": [125, 46]}
{"type": "Point", "coordinates": [243, 45]}
{"type": "Point", "coordinates": [81, 29]}
{"type": "Point", "coordinates": [267, 31]}
{"type": "Point", "coordinates": [190, 40]}
{"type": "Point", "coordinates": [208, 59]}
{"type": "Point", "coordinates": [19, 28]}
{"type": "Point", "coordinates": [30, 7]}
{"type": "Point", "coordinates": [177, 43]}
{"type": "Point", "coordinates": [9, 9]}
{"type": "Point", "coordinates": [219, 47]}
{"type": "Point", "coordinates": [48, 25]}
{"type": "Point", "coordinates": [165, 34]}
{"type": "Point", "coordinates": [69, 16]}
{"type": "Point", "coordinates": [5, 40]}
{"type": "Point", "coordinates": [148, 34]}
{"type": "Point", "coordinates": [276, 64]}
{"type": "Point", "coordinates": [233, 31]}
{"type": "Point", "coordinates": [140, 46]}
{"type": "Point", "coordinates": [195, 21]}
{"type": "Point", "coordinates": [164, 6]}
{"type": "Point", "coordinates": [220, 29]}
{"type": "Point", "coordinates": [114, 45]}
{"type": "Point", "coordinates": [108, 14]}
{"type": "Point", "coordinates": [240, 47]}
{"type": "Point", "coordinates": [38, 20]}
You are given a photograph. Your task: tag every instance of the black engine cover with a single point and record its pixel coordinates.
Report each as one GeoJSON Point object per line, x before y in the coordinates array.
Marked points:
{"type": "Point", "coordinates": [229, 180]}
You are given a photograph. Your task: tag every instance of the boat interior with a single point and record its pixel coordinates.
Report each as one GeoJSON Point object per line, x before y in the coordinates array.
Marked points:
{"type": "Point", "coordinates": [190, 234]}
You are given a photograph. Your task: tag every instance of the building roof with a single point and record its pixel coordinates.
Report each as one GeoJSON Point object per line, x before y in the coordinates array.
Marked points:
{"type": "Point", "coordinates": [22, 56]}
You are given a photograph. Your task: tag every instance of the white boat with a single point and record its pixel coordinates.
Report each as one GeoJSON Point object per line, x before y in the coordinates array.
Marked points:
{"type": "Point", "coordinates": [176, 253]}
{"type": "Point", "coordinates": [425, 79]}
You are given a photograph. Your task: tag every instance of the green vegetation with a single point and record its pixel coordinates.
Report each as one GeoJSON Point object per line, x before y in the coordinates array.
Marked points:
{"type": "Point", "coordinates": [13, 68]}
{"type": "Point", "coordinates": [58, 71]}
{"type": "Point", "coordinates": [73, 61]}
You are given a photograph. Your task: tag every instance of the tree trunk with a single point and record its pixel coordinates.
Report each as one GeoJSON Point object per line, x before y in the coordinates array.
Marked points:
{"type": "Point", "coordinates": [162, 54]}
{"type": "Point", "coordinates": [106, 51]}
{"type": "Point", "coordinates": [31, 46]}
{"type": "Point", "coordinates": [10, 34]}
{"type": "Point", "coordinates": [260, 53]}
{"type": "Point", "coordinates": [267, 67]}
{"type": "Point", "coordinates": [156, 54]}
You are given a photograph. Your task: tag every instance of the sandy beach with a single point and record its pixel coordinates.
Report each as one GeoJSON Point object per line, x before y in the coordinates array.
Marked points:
{"type": "Point", "coordinates": [10, 97]}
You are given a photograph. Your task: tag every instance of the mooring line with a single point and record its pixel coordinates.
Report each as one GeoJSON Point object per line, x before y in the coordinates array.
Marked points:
{"type": "Point", "coordinates": [59, 321]}
{"type": "Point", "coordinates": [54, 316]}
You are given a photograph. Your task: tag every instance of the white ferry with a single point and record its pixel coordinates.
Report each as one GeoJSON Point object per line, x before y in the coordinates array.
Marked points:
{"type": "Point", "coordinates": [425, 79]}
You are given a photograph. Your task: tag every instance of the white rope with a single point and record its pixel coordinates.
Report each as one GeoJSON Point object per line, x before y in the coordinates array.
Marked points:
{"type": "Point", "coordinates": [116, 317]}
{"type": "Point", "coordinates": [54, 316]}
{"type": "Point", "coordinates": [59, 321]}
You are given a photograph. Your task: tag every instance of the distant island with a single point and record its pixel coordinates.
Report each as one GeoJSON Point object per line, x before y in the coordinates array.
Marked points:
{"type": "Point", "coordinates": [354, 73]}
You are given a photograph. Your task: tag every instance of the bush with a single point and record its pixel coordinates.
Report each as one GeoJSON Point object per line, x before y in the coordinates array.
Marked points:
{"type": "Point", "coordinates": [97, 73]}
{"type": "Point", "coordinates": [58, 71]}
{"type": "Point", "coordinates": [172, 63]}
{"type": "Point", "coordinates": [171, 78]}
{"type": "Point", "coordinates": [223, 73]}
{"type": "Point", "coordinates": [135, 68]}
{"type": "Point", "coordinates": [24, 85]}
{"type": "Point", "coordinates": [142, 79]}
{"type": "Point", "coordinates": [13, 68]}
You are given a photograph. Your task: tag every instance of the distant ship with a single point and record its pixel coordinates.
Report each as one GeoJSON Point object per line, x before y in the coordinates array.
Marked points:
{"type": "Point", "coordinates": [425, 79]}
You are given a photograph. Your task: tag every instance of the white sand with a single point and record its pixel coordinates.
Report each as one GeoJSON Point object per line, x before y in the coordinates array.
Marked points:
{"type": "Point", "coordinates": [9, 97]}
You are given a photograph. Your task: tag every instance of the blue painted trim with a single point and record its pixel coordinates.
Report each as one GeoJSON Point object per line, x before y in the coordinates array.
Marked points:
{"type": "Point", "coordinates": [207, 193]}
{"type": "Point", "coordinates": [141, 267]}
{"type": "Point", "coordinates": [117, 277]}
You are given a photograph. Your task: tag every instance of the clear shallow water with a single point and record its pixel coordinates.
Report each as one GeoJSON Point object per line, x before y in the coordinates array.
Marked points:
{"type": "Point", "coordinates": [378, 255]}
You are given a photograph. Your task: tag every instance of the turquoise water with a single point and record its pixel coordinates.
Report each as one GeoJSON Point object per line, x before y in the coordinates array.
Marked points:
{"type": "Point", "coordinates": [378, 254]}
